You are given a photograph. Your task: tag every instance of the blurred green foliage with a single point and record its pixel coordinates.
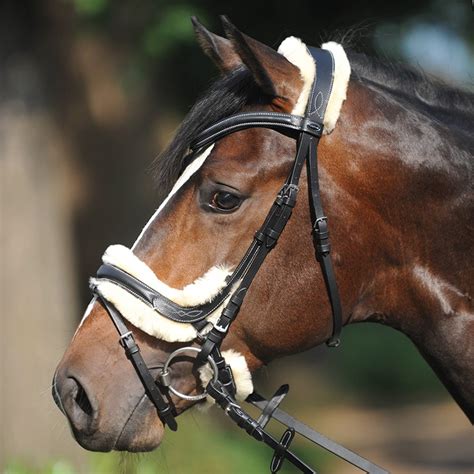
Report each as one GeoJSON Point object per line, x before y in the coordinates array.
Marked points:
{"type": "Point", "coordinates": [379, 365]}
{"type": "Point", "coordinates": [171, 27]}
{"type": "Point", "coordinates": [54, 467]}
{"type": "Point", "coordinates": [90, 7]}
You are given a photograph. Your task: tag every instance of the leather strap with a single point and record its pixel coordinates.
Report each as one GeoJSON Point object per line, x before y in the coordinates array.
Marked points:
{"type": "Point", "coordinates": [284, 123]}
{"type": "Point", "coordinates": [322, 84]}
{"type": "Point", "coordinates": [133, 353]}
{"type": "Point", "coordinates": [271, 230]}
{"type": "Point", "coordinates": [253, 428]}
{"type": "Point", "coordinates": [304, 430]}
{"type": "Point", "coordinates": [316, 110]}
{"type": "Point", "coordinates": [272, 405]}
{"type": "Point", "coordinates": [159, 302]}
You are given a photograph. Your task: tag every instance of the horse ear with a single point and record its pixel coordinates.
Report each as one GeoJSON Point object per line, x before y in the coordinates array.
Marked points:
{"type": "Point", "coordinates": [275, 75]}
{"type": "Point", "coordinates": [219, 49]}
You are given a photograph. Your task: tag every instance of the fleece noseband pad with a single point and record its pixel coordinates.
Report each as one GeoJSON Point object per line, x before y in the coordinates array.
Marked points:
{"type": "Point", "coordinates": [145, 316]}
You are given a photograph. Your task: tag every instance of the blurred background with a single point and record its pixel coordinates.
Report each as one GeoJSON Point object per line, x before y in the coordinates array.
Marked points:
{"type": "Point", "coordinates": [90, 92]}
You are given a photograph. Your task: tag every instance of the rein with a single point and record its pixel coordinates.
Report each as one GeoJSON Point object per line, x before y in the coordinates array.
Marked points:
{"type": "Point", "coordinates": [307, 131]}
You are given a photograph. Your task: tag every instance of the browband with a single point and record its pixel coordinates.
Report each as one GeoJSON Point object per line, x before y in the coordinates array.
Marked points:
{"type": "Point", "coordinates": [286, 124]}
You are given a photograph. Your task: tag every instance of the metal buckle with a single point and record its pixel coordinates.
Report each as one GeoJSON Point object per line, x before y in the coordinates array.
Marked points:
{"type": "Point", "coordinates": [125, 336]}
{"type": "Point", "coordinates": [333, 342]}
{"type": "Point", "coordinates": [318, 220]}
{"type": "Point", "coordinates": [167, 381]}
{"type": "Point", "coordinates": [220, 328]}
{"type": "Point", "coordinates": [287, 195]}
{"type": "Point", "coordinates": [201, 335]}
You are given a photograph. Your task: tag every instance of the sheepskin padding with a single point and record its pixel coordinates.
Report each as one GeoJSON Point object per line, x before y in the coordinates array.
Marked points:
{"type": "Point", "coordinates": [143, 316]}
{"type": "Point", "coordinates": [240, 371]}
{"type": "Point", "coordinates": [201, 290]}
{"type": "Point", "coordinates": [342, 74]}
{"type": "Point", "coordinates": [297, 53]}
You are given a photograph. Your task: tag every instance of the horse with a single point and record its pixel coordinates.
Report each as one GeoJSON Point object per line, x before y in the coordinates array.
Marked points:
{"type": "Point", "coordinates": [395, 173]}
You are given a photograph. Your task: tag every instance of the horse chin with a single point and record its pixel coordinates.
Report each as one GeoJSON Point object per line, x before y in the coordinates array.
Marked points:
{"type": "Point", "coordinates": [142, 431]}
{"type": "Point", "coordinates": [139, 439]}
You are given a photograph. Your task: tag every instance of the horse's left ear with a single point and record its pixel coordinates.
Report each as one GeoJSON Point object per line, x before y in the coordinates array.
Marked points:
{"type": "Point", "coordinates": [275, 75]}
{"type": "Point", "coordinates": [219, 49]}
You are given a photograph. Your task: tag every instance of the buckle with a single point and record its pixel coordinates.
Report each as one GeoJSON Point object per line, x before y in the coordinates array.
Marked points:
{"type": "Point", "coordinates": [318, 221]}
{"type": "Point", "coordinates": [127, 341]}
{"type": "Point", "coordinates": [287, 195]}
{"type": "Point", "coordinates": [124, 337]}
{"type": "Point", "coordinates": [333, 342]}
{"type": "Point", "coordinates": [221, 328]}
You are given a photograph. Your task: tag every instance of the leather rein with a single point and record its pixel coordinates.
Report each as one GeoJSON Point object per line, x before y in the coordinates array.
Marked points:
{"type": "Point", "coordinates": [307, 131]}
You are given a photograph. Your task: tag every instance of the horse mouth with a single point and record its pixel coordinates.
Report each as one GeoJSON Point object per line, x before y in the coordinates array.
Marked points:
{"type": "Point", "coordinates": [142, 431]}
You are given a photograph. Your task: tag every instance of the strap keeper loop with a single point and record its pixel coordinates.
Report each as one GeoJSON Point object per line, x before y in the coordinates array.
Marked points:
{"type": "Point", "coordinates": [312, 127]}
{"type": "Point", "coordinates": [323, 249]}
{"type": "Point", "coordinates": [320, 228]}
{"type": "Point", "coordinates": [259, 236]}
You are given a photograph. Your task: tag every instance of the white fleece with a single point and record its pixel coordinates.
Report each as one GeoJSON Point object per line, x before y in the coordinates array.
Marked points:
{"type": "Point", "coordinates": [143, 316]}
{"type": "Point", "coordinates": [342, 74]}
{"type": "Point", "coordinates": [240, 371]}
{"type": "Point", "coordinates": [297, 53]}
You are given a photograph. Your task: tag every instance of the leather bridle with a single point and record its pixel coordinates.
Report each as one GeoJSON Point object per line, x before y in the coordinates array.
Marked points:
{"type": "Point", "coordinates": [307, 131]}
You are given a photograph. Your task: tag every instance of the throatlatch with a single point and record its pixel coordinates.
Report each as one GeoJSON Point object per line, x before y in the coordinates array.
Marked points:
{"type": "Point", "coordinates": [307, 131]}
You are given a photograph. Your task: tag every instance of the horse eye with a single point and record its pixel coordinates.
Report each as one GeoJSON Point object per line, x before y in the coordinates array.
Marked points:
{"type": "Point", "coordinates": [225, 201]}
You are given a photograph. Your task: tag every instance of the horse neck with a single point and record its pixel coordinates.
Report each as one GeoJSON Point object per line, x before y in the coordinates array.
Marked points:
{"type": "Point", "coordinates": [398, 185]}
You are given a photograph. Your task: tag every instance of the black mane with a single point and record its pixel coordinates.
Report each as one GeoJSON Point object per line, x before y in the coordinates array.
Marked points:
{"type": "Point", "coordinates": [227, 96]}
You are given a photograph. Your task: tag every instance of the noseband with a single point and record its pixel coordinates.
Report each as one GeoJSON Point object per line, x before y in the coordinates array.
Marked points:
{"type": "Point", "coordinates": [307, 131]}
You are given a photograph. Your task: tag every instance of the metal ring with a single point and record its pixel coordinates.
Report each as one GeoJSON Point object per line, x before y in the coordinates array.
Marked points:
{"type": "Point", "coordinates": [176, 353]}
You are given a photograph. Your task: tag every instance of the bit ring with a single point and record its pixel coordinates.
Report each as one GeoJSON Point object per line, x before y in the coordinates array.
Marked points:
{"type": "Point", "coordinates": [165, 373]}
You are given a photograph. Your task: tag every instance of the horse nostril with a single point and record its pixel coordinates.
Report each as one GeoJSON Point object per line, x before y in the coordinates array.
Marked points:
{"type": "Point", "coordinates": [82, 400]}
{"type": "Point", "coordinates": [80, 409]}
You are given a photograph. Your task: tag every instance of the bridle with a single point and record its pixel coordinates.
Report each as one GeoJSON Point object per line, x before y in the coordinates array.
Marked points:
{"type": "Point", "coordinates": [307, 131]}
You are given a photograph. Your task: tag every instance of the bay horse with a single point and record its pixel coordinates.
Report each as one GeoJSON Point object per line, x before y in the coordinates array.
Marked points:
{"type": "Point", "coordinates": [395, 171]}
